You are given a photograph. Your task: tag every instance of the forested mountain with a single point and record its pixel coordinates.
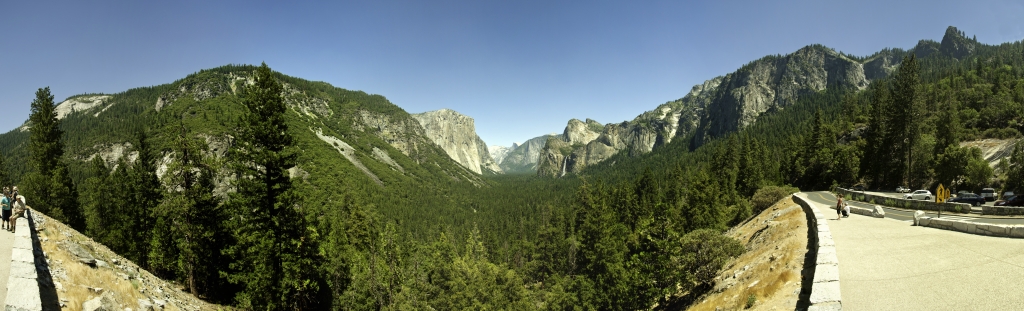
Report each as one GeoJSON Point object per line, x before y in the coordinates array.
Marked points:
{"type": "Point", "coordinates": [194, 179]}
{"type": "Point", "coordinates": [728, 103]}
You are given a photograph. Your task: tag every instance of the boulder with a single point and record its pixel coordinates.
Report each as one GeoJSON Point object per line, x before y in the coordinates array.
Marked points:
{"type": "Point", "coordinates": [145, 305]}
{"type": "Point", "coordinates": [879, 212]}
{"type": "Point", "coordinates": [101, 303]}
{"type": "Point", "coordinates": [81, 254]}
{"type": "Point", "coordinates": [917, 217]}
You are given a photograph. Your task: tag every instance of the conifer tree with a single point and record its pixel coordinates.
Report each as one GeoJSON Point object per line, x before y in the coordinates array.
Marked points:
{"type": "Point", "coordinates": [194, 215]}
{"type": "Point", "coordinates": [274, 250]}
{"type": "Point", "coordinates": [49, 187]}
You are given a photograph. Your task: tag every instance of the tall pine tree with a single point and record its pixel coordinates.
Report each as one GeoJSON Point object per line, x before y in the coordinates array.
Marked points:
{"type": "Point", "coordinates": [274, 251]}
{"type": "Point", "coordinates": [49, 188]}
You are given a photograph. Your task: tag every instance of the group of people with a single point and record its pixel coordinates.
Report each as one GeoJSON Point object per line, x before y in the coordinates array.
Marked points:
{"type": "Point", "coordinates": [842, 208]}
{"type": "Point", "coordinates": [13, 207]}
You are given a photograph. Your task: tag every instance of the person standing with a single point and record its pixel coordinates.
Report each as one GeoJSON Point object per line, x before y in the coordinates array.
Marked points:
{"type": "Point", "coordinates": [839, 207]}
{"type": "Point", "coordinates": [6, 203]}
{"type": "Point", "coordinates": [18, 208]}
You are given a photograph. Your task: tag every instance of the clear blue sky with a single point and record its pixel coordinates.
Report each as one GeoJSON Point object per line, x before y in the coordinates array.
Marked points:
{"type": "Point", "coordinates": [520, 68]}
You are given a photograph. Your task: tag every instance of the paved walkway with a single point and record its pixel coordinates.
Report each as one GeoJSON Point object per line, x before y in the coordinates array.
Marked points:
{"type": "Point", "coordinates": [6, 244]}
{"type": "Point", "coordinates": [886, 264]}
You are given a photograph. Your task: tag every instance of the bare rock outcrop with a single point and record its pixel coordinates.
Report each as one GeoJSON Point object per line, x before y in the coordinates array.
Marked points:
{"type": "Point", "coordinates": [455, 133]}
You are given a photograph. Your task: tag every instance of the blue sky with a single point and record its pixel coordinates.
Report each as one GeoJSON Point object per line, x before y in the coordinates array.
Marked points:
{"type": "Point", "coordinates": [519, 68]}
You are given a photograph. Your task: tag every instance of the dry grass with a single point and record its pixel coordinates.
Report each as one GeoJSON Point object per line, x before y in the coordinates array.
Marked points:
{"type": "Point", "coordinates": [81, 280]}
{"type": "Point", "coordinates": [775, 252]}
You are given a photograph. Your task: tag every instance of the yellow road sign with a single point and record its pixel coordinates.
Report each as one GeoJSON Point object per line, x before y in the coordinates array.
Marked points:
{"type": "Point", "coordinates": [941, 194]}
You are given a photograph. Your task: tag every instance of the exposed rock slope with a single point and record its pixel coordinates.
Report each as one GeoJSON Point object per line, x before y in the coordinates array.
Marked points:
{"type": "Point", "coordinates": [85, 272]}
{"type": "Point", "coordinates": [734, 101]}
{"type": "Point", "coordinates": [523, 158]}
{"type": "Point", "coordinates": [456, 134]}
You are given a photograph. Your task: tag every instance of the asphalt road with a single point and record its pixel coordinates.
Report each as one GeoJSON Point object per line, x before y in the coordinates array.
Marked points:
{"type": "Point", "coordinates": [901, 195]}
{"type": "Point", "coordinates": [828, 199]}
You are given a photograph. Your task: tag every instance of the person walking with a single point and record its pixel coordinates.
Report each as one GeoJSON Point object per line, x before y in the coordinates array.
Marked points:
{"type": "Point", "coordinates": [18, 208]}
{"type": "Point", "coordinates": [839, 208]}
{"type": "Point", "coordinates": [6, 203]}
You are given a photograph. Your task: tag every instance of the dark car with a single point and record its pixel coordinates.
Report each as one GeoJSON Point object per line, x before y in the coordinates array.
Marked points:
{"type": "Point", "coordinates": [858, 188]}
{"type": "Point", "coordinates": [1017, 200]}
{"type": "Point", "coordinates": [969, 198]}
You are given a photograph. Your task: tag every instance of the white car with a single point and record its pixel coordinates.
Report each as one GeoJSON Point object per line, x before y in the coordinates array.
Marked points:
{"type": "Point", "coordinates": [919, 195]}
{"type": "Point", "coordinates": [902, 189]}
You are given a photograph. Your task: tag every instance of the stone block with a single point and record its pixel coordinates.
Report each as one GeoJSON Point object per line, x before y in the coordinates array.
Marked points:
{"type": "Point", "coordinates": [827, 258]}
{"type": "Point", "coordinates": [828, 242]}
{"type": "Point", "coordinates": [828, 306]}
{"type": "Point", "coordinates": [23, 294]}
{"type": "Point", "coordinates": [22, 230]}
{"type": "Point", "coordinates": [21, 269]}
{"type": "Point", "coordinates": [917, 218]}
{"type": "Point", "coordinates": [826, 273]}
{"type": "Point", "coordinates": [22, 243]}
{"type": "Point", "coordinates": [24, 255]}
{"type": "Point", "coordinates": [1017, 232]}
{"type": "Point", "coordinates": [878, 212]}
{"type": "Point", "coordinates": [825, 292]}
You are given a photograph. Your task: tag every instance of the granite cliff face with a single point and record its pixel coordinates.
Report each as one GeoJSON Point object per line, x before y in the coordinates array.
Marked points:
{"type": "Point", "coordinates": [522, 158]}
{"type": "Point", "coordinates": [587, 143]}
{"type": "Point", "coordinates": [721, 105]}
{"type": "Point", "coordinates": [456, 134]}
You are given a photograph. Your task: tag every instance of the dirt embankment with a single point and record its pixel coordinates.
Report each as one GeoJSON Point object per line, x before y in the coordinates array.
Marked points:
{"type": "Point", "coordinates": [88, 275]}
{"type": "Point", "coordinates": [776, 242]}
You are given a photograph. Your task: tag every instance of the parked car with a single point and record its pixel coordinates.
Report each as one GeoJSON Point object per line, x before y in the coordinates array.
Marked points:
{"type": "Point", "coordinates": [1007, 194]}
{"type": "Point", "coordinates": [919, 195]}
{"type": "Point", "coordinates": [989, 194]}
{"type": "Point", "coordinates": [969, 198]}
{"type": "Point", "coordinates": [962, 192]}
{"type": "Point", "coordinates": [858, 188]}
{"type": "Point", "coordinates": [1017, 200]}
{"type": "Point", "coordinates": [902, 189]}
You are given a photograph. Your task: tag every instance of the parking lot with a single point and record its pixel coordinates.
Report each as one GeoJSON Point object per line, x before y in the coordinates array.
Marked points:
{"type": "Point", "coordinates": [900, 195]}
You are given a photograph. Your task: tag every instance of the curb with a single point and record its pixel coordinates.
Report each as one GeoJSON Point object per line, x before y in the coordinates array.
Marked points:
{"type": "Point", "coordinates": [23, 283]}
{"type": "Point", "coordinates": [1003, 231]}
{"type": "Point", "coordinates": [825, 293]}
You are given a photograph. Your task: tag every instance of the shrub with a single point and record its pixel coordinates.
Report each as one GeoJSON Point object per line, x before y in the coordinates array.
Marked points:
{"type": "Point", "coordinates": [750, 301]}
{"type": "Point", "coordinates": [768, 195]}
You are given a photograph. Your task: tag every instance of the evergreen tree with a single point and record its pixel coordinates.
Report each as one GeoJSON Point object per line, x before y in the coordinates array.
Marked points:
{"type": "Point", "coordinates": [904, 119]}
{"type": "Point", "coordinates": [50, 186]}
{"type": "Point", "coordinates": [274, 249]}
{"type": "Point", "coordinates": [194, 215]}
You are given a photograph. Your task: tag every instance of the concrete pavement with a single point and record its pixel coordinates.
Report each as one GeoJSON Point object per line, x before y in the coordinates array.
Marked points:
{"type": "Point", "coordinates": [889, 264]}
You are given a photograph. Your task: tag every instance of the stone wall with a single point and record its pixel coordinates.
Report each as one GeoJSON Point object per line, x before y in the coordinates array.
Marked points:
{"type": "Point", "coordinates": [1002, 210]}
{"type": "Point", "coordinates": [825, 294]}
{"type": "Point", "coordinates": [29, 271]}
{"type": "Point", "coordinates": [1007, 231]}
{"type": "Point", "coordinates": [903, 203]}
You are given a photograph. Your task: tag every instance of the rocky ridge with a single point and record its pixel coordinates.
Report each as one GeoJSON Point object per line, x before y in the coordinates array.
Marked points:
{"type": "Point", "coordinates": [523, 158]}
{"type": "Point", "coordinates": [734, 101]}
{"type": "Point", "coordinates": [456, 134]}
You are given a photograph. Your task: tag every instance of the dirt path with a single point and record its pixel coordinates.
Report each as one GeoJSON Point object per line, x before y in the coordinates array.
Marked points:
{"type": "Point", "coordinates": [6, 244]}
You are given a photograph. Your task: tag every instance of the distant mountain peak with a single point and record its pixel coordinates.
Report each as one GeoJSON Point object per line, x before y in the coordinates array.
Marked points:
{"type": "Point", "coordinates": [956, 44]}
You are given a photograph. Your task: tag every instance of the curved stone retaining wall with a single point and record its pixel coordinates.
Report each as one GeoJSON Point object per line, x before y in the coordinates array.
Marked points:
{"type": "Point", "coordinates": [825, 294]}
{"type": "Point", "coordinates": [902, 203]}
{"type": "Point", "coordinates": [1007, 231]}
{"type": "Point", "coordinates": [23, 283]}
